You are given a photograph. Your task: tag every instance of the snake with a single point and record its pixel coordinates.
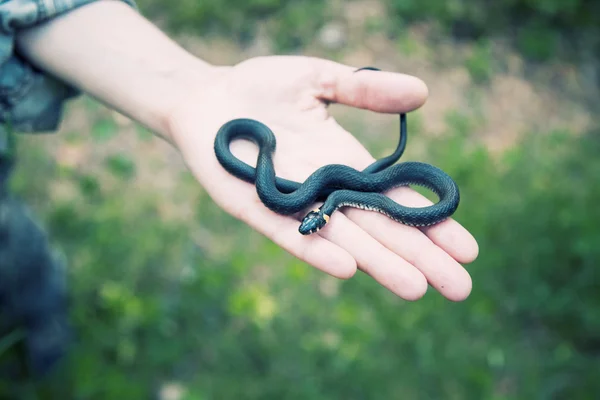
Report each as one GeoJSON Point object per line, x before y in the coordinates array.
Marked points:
{"type": "Point", "coordinates": [337, 185]}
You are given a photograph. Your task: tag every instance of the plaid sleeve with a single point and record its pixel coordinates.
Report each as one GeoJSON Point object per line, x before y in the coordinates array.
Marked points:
{"type": "Point", "coordinates": [30, 100]}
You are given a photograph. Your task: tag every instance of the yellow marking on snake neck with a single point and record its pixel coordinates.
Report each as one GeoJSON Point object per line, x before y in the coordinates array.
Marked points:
{"type": "Point", "coordinates": [326, 218]}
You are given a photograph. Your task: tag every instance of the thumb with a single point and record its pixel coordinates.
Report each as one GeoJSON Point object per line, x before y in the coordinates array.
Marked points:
{"type": "Point", "coordinates": [379, 91]}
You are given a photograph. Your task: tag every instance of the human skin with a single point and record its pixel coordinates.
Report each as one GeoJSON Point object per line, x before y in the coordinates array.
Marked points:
{"type": "Point", "coordinates": [110, 51]}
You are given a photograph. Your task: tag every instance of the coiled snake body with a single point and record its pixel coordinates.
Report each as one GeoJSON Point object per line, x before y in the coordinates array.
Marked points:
{"type": "Point", "coordinates": [337, 185]}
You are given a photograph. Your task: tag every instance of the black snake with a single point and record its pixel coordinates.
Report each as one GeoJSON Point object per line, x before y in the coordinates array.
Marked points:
{"type": "Point", "coordinates": [337, 185]}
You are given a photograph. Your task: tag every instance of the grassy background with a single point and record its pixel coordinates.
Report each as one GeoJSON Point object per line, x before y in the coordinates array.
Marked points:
{"type": "Point", "coordinates": [174, 299]}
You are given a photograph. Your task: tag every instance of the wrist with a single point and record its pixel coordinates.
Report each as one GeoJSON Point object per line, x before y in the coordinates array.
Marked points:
{"type": "Point", "coordinates": [191, 114]}
{"type": "Point", "coordinates": [111, 52]}
{"type": "Point", "coordinates": [184, 86]}
{"type": "Point", "coordinates": [162, 91]}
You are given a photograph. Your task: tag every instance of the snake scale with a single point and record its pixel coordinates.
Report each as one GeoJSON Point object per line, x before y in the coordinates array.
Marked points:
{"type": "Point", "coordinates": [337, 185]}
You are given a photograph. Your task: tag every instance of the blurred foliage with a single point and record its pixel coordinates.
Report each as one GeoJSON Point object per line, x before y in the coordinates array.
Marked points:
{"type": "Point", "coordinates": [288, 23]}
{"type": "Point", "coordinates": [539, 28]}
{"type": "Point", "coordinates": [224, 313]}
{"type": "Point", "coordinates": [209, 305]}
{"type": "Point", "coordinates": [480, 63]}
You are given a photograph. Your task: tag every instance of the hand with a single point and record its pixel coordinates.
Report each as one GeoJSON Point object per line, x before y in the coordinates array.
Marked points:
{"type": "Point", "coordinates": [290, 95]}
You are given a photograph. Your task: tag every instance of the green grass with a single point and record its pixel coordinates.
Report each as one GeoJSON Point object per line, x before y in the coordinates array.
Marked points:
{"type": "Point", "coordinates": [208, 303]}
{"type": "Point", "coordinates": [480, 62]}
{"type": "Point", "coordinates": [211, 305]}
{"type": "Point", "coordinates": [104, 129]}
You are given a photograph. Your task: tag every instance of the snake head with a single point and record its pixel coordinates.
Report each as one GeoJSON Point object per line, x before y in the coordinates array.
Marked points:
{"type": "Point", "coordinates": [313, 221]}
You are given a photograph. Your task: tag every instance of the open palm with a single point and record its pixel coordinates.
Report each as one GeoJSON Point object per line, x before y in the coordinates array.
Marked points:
{"type": "Point", "coordinates": [290, 95]}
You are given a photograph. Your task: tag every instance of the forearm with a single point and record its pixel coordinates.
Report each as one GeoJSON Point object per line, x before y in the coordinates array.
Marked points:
{"type": "Point", "coordinates": [111, 52]}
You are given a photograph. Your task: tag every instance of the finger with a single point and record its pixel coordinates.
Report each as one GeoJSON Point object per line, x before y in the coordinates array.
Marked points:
{"type": "Point", "coordinates": [441, 271]}
{"type": "Point", "coordinates": [240, 200]}
{"type": "Point", "coordinates": [383, 265]}
{"type": "Point", "coordinates": [454, 239]}
{"type": "Point", "coordinates": [283, 231]}
{"type": "Point", "coordinates": [379, 91]}
{"type": "Point", "coordinates": [449, 235]}
{"type": "Point", "coordinates": [435, 260]}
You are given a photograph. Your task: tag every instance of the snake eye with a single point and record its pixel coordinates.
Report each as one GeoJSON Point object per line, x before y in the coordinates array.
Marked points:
{"type": "Point", "coordinates": [312, 223]}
